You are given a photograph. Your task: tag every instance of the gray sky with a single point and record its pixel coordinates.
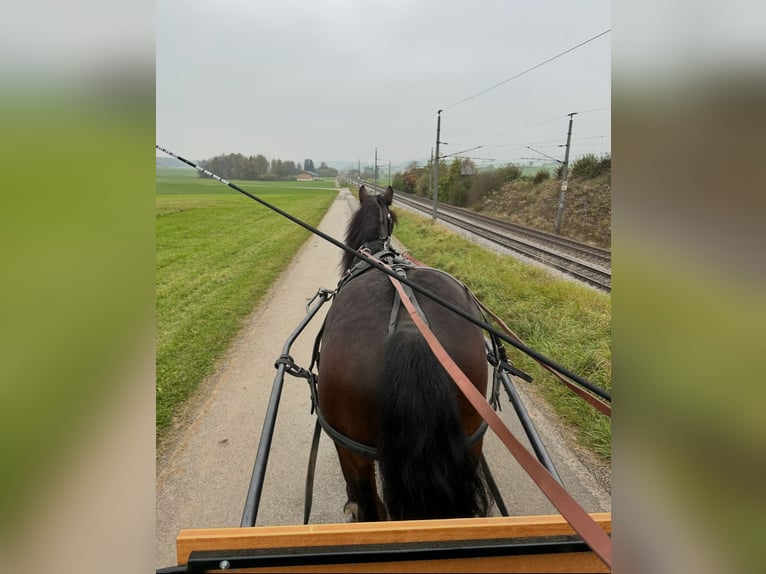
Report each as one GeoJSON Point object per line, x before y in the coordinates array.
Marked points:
{"type": "Point", "coordinates": [331, 80]}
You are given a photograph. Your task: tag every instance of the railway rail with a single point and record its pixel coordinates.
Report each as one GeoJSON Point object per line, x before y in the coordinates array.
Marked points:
{"type": "Point", "coordinates": [586, 263]}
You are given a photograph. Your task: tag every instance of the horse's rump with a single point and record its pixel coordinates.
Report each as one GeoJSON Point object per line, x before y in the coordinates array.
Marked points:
{"type": "Point", "coordinates": [362, 365]}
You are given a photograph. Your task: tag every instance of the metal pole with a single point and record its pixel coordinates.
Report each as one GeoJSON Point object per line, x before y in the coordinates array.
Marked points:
{"type": "Point", "coordinates": [431, 170]}
{"type": "Point", "coordinates": [436, 165]}
{"type": "Point", "coordinates": [564, 175]}
{"type": "Point", "coordinates": [253, 497]}
{"type": "Point", "coordinates": [529, 427]}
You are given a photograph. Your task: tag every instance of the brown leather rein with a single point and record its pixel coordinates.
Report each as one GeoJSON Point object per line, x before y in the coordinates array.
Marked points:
{"type": "Point", "coordinates": [594, 401]}
{"type": "Point", "coordinates": [584, 525]}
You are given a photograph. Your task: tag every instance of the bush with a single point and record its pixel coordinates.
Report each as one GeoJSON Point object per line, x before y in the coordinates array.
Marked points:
{"type": "Point", "coordinates": [398, 182]}
{"type": "Point", "coordinates": [541, 176]}
{"type": "Point", "coordinates": [590, 166]}
{"type": "Point", "coordinates": [508, 173]}
{"type": "Point", "coordinates": [484, 183]}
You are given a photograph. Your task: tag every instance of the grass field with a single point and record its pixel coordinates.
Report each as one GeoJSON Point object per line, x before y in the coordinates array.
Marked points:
{"type": "Point", "coordinates": [217, 254]}
{"type": "Point", "coordinates": [564, 321]}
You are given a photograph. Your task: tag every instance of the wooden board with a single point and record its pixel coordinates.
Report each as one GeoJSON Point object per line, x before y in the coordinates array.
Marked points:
{"type": "Point", "coordinates": [419, 533]}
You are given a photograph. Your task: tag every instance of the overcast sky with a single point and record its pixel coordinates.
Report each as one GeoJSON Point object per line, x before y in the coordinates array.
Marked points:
{"type": "Point", "coordinates": [331, 80]}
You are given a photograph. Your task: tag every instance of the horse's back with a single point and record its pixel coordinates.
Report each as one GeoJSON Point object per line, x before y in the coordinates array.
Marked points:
{"type": "Point", "coordinates": [359, 320]}
{"type": "Point", "coordinates": [357, 329]}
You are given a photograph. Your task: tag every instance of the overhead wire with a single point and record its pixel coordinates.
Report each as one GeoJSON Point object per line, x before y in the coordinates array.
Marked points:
{"type": "Point", "coordinates": [528, 70]}
{"type": "Point", "coordinates": [549, 143]}
{"type": "Point", "coordinates": [497, 85]}
{"type": "Point", "coordinates": [537, 124]}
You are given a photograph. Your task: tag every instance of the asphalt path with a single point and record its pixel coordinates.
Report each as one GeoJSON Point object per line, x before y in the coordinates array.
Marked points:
{"type": "Point", "coordinates": [204, 471]}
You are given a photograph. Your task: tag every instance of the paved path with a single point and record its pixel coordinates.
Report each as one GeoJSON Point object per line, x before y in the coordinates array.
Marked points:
{"type": "Point", "coordinates": [203, 477]}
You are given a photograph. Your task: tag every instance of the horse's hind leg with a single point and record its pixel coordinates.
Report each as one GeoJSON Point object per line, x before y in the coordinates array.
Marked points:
{"type": "Point", "coordinates": [364, 504]}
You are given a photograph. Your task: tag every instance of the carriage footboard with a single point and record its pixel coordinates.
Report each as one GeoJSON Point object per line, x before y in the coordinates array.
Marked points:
{"type": "Point", "coordinates": [507, 544]}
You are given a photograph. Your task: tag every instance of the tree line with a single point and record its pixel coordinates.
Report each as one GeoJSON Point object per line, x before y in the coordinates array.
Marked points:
{"type": "Point", "coordinates": [461, 184]}
{"type": "Point", "coordinates": [239, 166]}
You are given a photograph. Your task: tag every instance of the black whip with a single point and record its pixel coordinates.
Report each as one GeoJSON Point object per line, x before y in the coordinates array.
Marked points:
{"type": "Point", "coordinates": [377, 265]}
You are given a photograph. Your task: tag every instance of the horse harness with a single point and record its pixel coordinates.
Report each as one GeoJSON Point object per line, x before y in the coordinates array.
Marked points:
{"type": "Point", "coordinates": [380, 249]}
{"type": "Point", "coordinates": [400, 265]}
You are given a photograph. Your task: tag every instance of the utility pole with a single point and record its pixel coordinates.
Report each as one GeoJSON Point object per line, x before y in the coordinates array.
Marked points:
{"type": "Point", "coordinates": [389, 172]}
{"type": "Point", "coordinates": [564, 175]}
{"type": "Point", "coordinates": [376, 166]}
{"type": "Point", "coordinates": [436, 165]}
{"type": "Point", "coordinates": [431, 170]}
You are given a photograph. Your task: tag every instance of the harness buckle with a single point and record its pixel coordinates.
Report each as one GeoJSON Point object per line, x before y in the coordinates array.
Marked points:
{"type": "Point", "coordinates": [291, 368]}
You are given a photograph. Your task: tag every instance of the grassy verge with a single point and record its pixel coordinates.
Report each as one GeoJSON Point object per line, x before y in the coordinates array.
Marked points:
{"type": "Point", "coordinates": [217, 254]}
{"type": "Point", "coordinates": [563, 320]}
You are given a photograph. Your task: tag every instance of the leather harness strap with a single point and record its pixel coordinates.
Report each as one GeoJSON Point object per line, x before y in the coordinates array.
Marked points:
{"type": "Point", "coordinates": [389, 257]}
{"type": "Point", "coordinates": [585, 526]}
{"type": "Point", "coordinates": [594, 401]}
{"type": "Point", "coordinates": [393, 319]}
{"type": "Point", "coordinates": [586, 396]}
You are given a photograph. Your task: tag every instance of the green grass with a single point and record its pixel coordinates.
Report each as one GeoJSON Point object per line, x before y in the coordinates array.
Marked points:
{"type": "Point", "coordinates": [217, 254]}
{"type": "Point", "coordinates": [564, 321]}
{"type": "Point", "coordinates": [186, 181]}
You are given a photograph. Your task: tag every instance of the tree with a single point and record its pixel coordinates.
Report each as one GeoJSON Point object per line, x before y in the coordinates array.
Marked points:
{"type": "Point", "coordinates": [278, 168]}
{"type": "Point", "coordinates": [325, 171]}
{"type": "Point", "coordinates": [409, 183]}
{"type": "Point", "coordinates": [261, 165]}
{"type": "Point", "coordinates": [237, 166]}
{"type": "Point", "coordinates": [425, 185]}
{"type": "Point", "coordinates": [457, 184]}
{"type": "Point", "coordinates": [308, 165]}
{"type": "Point", "coordinates": [249, 170]}
{"type": "Point", "coordinates": [398, 181]}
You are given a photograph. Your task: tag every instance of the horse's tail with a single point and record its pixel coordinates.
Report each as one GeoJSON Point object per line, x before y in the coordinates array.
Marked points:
{"type": "Point", "coordinates": [427, 466]}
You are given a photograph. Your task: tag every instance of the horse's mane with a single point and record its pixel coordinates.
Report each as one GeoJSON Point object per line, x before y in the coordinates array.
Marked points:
{"type": "Point", "coordinates": [363, 227]}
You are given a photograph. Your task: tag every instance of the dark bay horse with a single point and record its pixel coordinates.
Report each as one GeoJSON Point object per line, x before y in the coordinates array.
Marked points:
{"type": "Point", "coordinates": [386, 389]}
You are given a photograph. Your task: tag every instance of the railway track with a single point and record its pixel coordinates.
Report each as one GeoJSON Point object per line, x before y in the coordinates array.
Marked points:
{"type": "Point", "coordinates": [586, 263]}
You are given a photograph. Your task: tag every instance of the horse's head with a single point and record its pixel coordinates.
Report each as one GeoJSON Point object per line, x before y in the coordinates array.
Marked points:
{"type": "Point", "coordinates": [371, 225]}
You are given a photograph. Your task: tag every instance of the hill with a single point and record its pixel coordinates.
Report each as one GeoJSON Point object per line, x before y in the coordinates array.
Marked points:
{"type": "Point", "coordinates": [587, 212]}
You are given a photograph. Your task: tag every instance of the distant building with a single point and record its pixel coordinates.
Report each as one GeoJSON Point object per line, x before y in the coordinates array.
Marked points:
{"type": "Point", "coordinates": [467, 169]}
{"type": "Point", "coordinates": [307, 176]}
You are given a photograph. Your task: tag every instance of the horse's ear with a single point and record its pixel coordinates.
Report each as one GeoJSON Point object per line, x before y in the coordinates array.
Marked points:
{"type": "Point", "coordinates": [362, 193]}
{"type": "Point", "coordinates": [388, 195]}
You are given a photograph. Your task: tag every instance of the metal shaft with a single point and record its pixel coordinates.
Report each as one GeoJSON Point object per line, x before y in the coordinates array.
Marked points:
{"type": "Point", "coordinates": [253, 498]}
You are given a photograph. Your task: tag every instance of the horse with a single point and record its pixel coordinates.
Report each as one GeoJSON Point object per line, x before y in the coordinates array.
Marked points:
{"type": "Point", "coordinates": [387, 391]}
